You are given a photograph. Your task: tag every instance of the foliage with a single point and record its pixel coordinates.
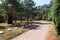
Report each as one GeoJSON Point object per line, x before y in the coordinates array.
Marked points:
{"type": "Point", "coordinates": [55, 10]}
{"type": "Point", "coordinates": [49, 13]}
{"type": "Point", "coordinates": [29, 5]}
{"type": "Point", "coordinates": [26, 10]}
{"type": "Point", "coordinates": [42, 12]}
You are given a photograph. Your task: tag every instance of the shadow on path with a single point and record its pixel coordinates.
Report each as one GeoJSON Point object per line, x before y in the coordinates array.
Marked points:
{"type": "Point", "coordinates": [38, 33]}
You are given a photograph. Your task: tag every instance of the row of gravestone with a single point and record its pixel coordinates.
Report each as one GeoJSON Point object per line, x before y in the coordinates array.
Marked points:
{"type": "Point", "coordinates": [10, 29]}
{"type": "Point", "coordinates": [2, 32]}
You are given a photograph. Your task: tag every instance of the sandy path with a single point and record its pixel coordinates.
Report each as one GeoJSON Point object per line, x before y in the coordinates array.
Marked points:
{"type": "Point", "coordinates": [36, 34]}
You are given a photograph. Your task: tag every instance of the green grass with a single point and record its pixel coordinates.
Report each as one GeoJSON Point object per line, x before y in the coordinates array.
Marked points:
{"type": "Point", "coordinates": [8, 35]}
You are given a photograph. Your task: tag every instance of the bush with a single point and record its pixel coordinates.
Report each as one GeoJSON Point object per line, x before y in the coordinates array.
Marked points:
{"type": "Point", "coordinates": [55, 10]}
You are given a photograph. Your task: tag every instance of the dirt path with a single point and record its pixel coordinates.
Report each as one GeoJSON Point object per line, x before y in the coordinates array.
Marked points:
{"type": "Point", "coordinates": [36, 34]}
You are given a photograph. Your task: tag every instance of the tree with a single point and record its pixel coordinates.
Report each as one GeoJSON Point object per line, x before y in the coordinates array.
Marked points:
{"type": "Point", "coordinates": [29, 4]}
{"type": "Point", "coordinates": [49, 12]}
{"type": "Point", "coordinates": [11, 10]}
{"type": "Point", "coordinates": [42, 12]}
{"type": "Point", "coordinates": [38, 14]}
{"type": "Point", "coordinates": [22, 11]}
{"type": "Point", "coordinates": [55, 10]}
{"type": "Point", "coordinates": [3, 12]}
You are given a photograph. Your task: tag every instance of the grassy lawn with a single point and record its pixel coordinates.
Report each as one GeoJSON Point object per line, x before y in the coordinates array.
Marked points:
{"type": "Point", "coordinates": [11, 34]}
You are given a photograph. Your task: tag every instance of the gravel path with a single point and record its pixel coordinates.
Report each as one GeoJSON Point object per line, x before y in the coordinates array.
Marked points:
{"type": "Point", "coordinates": [36, 34]}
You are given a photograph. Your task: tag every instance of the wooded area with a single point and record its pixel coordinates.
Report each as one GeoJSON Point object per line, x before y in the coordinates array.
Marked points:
{"type": "Point", "coordinates": [25, 10]}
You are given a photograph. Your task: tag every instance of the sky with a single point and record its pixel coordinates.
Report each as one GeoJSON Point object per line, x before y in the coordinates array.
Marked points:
{"type": "Point", "coordinates": [41, 2]}
{"type": "Point", "coordinates": [0, 2]}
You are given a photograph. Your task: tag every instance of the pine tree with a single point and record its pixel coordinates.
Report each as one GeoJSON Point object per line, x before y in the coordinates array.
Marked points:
{"type": "Point", "coordinates": [29, 4]}
{"type": "Point", "coordinates": [14, 7]}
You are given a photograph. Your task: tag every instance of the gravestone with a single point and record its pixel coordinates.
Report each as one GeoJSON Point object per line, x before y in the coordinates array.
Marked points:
{"type": "Point", "coordinates": [1, 32]}
{"type": "Point", "coordinates": [16, 28]}
{"type": "Point", "coordinates": [9, 29]}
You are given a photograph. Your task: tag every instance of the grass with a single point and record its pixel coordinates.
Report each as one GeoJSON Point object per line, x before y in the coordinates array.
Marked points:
{"type": "Point", "coordinates": [11, 34]}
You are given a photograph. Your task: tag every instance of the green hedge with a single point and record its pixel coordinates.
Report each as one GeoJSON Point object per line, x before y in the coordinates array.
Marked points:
{"type": "Point", "coordinates": [55, 11]}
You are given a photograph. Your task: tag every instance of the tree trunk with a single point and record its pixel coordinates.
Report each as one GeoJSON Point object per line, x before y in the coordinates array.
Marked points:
{"type": "Point", "coordinates": [27, 17]}
{"type": "Point", "coordinates": [10, 19]}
